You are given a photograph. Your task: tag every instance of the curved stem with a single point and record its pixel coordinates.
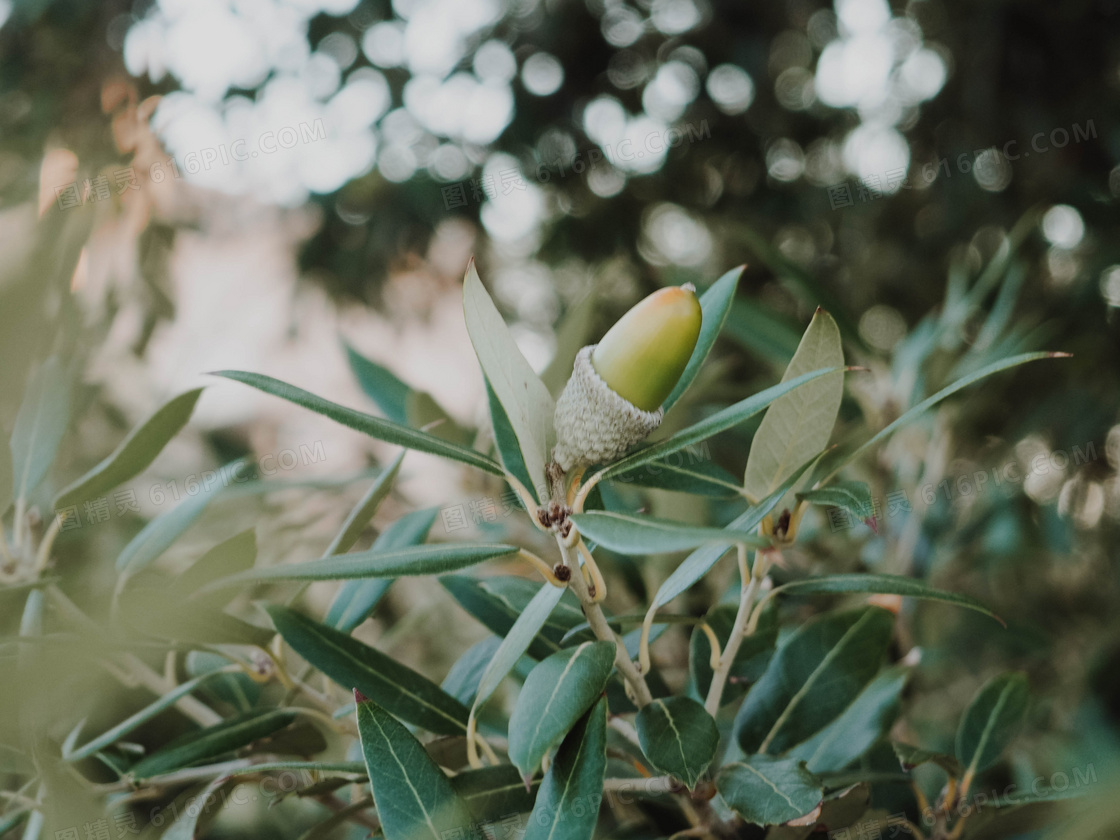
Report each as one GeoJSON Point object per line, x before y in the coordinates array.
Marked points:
{"type": "Point", "coordinates": [740, 629]}
{"type": "Point", "coordinates": [602, 629]}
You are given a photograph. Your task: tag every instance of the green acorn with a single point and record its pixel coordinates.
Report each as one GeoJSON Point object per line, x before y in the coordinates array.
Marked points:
{"type": "Point", "coordinates": [614, 397]}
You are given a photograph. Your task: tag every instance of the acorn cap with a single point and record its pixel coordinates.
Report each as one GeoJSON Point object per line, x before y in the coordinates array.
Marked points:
{"type": "Point", "coordinates": [643, 355]}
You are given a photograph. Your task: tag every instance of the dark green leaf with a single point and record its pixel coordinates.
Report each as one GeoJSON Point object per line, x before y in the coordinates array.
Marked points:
{"type": "Point", "coordinates": [814, 675]}
{"type": "Point", "coordinates": [556, 693]}
{"type": "Point", "coordinates": [414, 799]}
{"type": "Point", "coordinates": [567, 806]}
{"type": "Point", "coordinates": [505, 441]}
{"type": "Point", "coordinates": [678, 737]}
{"type": "Point", "coordinates": [356, 599]}
{"type": "Point", "coordinates": [715, 303]}
{"type": "Point", "coordinates": [214, 741]}
{"type": "Point", "coordinates": [367, 424]}
{"type": "Point", "coordinates": [493, 793]}
{"type": "Point", "coordinates": [645, 535]}
{"type": "Point", "coordinates": [859, 726]}
{"type": "Point", "coordinates": [375, 563]}
{"type": "Point", "coordinates": [353, 664]}
{"type": "Point", "coordinates": [992, 720]}
{"type": "Point", "coordinates": [770, 791]}
{"type": "Point", "coordinates": [696, 476]}
{"type": "Point", "coordinates": [135, 453]}
{"type": "Point", "coordinates": [884, 585]}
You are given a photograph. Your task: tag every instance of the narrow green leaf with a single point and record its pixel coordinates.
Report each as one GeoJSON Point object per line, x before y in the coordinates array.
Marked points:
{"type": "Point", "coordinates": [770, 791]}
{"type": "Point", "coordinates": [556, 694]}
{"type": "Point", "coordinates": [567, 806]}
{"type": "Point", "coordinates": [14, 819]}
{"type": "Point", "coordinates": [497, 607]}
{"type": "Point", "coordinates": [992, 720]}
{"type": "Point", "coordinates": [493, 793]}
{"type": "Point", "coordinates": [462, 680]}
{"type": "Point", "coordinates": [700, 562]}
{"type": "Point", "coordinates": [356, 599]}
{"type": "Point", "coordinates": [678, 737]}
{"type": "Point", "coordinates": [416, 560]}
{"type": "Point", "coordinates": [505, 441]}
{"type": "Point", "coordinates": [646, 535]}
{"type": "Point", "coordinates": [380, 385]}
{"type": "Point", "coordinates": [353, 664]}
{"type": "Point", "coordinates": [517, 641]}
{"type": "Point", "coordinates": [715, 304]}
{"type": "Point", "coordinates": [375, 427]}
{"type": "Point", "coordinates": [698, 477]}
{"type": "Point", "coordinates": [852, 496]}
{"type": "Point", "coordinates": [414, 799]}
{"type": "Point", "coordinates": [815, 674]}
{"type": "Point", "coordinates": [835, 466]}
{"type": "Point", "coordinates": [859, 726]}
{"type": "Point", "coordinates": [798, 425]}
{"type": "Point", "coordinates": [721, 421]}
{"type": "Point", "coordinates": [40, 426]}
{"type": "Point", "coordinates": [524, 398]}
{"type": "Point", "coordinates": [7, 475]}
{"type": "Point", "coordinates": [363, 512]}
{"type": "Point", "coordinates": [237, 554]}
{"type": "Point", "coordinates": [882, 585]}
{"type": "Point", "coordinates": [910, 757]}
{"type": "Point", "coordinates": [135, 453]}
{"type": "Point", "coordinates": [214, 741]}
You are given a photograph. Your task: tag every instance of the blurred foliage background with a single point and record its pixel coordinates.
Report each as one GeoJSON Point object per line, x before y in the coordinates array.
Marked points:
{"type": "Point", "coordinates": [192, 186]}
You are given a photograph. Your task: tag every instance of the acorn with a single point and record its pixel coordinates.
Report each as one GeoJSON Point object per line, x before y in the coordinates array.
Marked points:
{"type": "Point", "coordinates": [613, 399]}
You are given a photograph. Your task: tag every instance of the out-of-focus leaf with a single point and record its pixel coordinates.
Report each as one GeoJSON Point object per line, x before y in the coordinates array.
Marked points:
{"type": "Point", "coordinates": [237, 554]}
{"type": "Point", "coordinates": [135, 453]}
{"type": "Point", "coordinates": [770, 791]}
{"type": "Point", "coordinates": [492, 793]}
{"type": "Point", "coordinates": [214, 741]}
{"type": "Point", "coordinates": [815, 674]}
{"type": "Point", "coordinates": [462, 680]}
{"type": "Point", "coordinates": [375, 427]}
{"type": "Point", "coordinates": [162, 613]}
{"type": "Point", "coordinates": [882, 585]}
{"type": "Point", "coordinates": [700, 562]}
{"type": "Point", "coordinates": [14, 819]}
{"type": "Point", "coordinates": [187, 820]}
{"type": "Point", "coordinates": [763, 331]}
{"type": "Point", "coordinates": [7, 476]}
{"type": "Point", "coordinates": [678, 737]}
{"type": "Point", "coordinates": [647, 535]}
{"type": "Point", "coordinates": [859, 726]}
{"type": "Point", "coordinates": [414, 799]}
{"type": "Point", "coordinates": [852, 496]}
{"type": "Point", "coordinates": [798, 425]}
{"type": "Point", "coordinates": [721, 421]}
{"type": "Point", "coordinates": [567, 806]}
{"type": "Point", "coordinates": [715, 303]}
{"type": "Point", "coordinates": [363, 512]}
{"type": "Point", "coordinates": [572, 334]}
{"type": "Point", "coordinates": [556, 694]}
{"type": "Point", "coordinates": [40, 426]}
{"type": "Point", "coordinates": [517, 640]}
{"type": "Point", "coordinates": [910, 757]}
{"type": "Point", "coordinates": [356, 599]}
{"type": "Point", "coordinates": [236, 688]}
{"type": "Point", "coordinates": [526, 401]}
{"type": "Point", "coordinates": [353, 664]}
{"type": "Point", "coordinates": [375, 563]}
{"type": "Point", "coordinates": [992, 719]}
{"type": "Point", "coordinates": [834, 466]}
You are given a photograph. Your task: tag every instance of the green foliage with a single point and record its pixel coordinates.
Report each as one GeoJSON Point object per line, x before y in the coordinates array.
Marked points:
{"type": "Point", "coordinates": [678, 737]}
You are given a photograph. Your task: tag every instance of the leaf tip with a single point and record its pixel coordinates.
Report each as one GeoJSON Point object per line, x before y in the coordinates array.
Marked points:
{"type": "Point", "coordinates": [359, 697]}
{"type": "Point", "coordinates": [528, 780]}
{"type": "Point", "coordinates": [872, 523]}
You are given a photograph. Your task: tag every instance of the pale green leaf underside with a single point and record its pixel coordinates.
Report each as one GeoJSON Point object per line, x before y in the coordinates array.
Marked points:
{"type": "Point", "coordinates": [881, 585]}
{"type": "Point", "coordinates": [769, 791]}
{"type": "Point", "coordinates": [647, 535]}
